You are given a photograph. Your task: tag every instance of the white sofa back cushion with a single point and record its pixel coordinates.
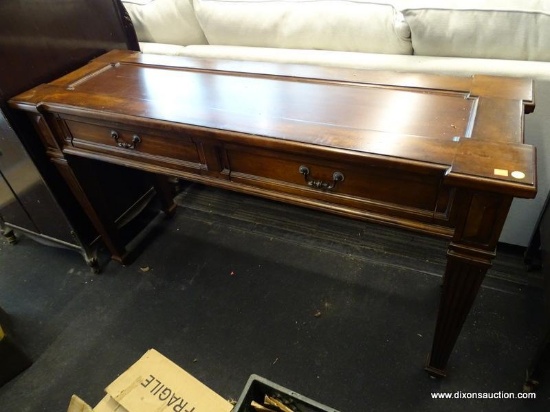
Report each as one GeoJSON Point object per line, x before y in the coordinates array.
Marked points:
{"type": "Point", "coordinates": [498, 29]}
{"type": "Point", "coordinates": [343, 25]}
{"type": "Point", "coordinates": [165, 21]}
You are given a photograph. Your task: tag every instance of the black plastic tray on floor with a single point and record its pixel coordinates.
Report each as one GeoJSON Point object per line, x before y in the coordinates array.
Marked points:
{"type": "Point", "coordinates": [257, 387]}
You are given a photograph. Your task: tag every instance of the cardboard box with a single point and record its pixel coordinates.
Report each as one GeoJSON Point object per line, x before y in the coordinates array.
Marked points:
{"type": "Point", "coordinates": [155, 383]}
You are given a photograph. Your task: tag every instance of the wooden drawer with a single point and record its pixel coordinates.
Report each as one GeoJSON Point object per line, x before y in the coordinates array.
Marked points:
{"type": "Point", "coordinates": [390, 190]}
{"type": "Point", "coordinates": [169, 150]}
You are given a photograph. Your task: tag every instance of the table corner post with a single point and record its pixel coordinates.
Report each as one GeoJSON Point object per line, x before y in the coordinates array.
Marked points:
{"type": "Point", "coordinates": [480, 217]}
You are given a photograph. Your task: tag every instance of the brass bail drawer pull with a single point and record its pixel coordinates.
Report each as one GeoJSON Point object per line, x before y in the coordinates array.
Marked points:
{"type": "Point", "coordinates": [135, 140]}
{"type": "Point", "coordinates": [319, 184]}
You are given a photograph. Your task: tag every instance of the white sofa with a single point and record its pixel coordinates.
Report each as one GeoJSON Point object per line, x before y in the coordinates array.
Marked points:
{"type": "Point", "coordinates": [461, 37]}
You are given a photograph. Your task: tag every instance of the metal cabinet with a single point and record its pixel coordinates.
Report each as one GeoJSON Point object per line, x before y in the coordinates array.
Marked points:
{"type": "Point", "coordinates": [26, 203]}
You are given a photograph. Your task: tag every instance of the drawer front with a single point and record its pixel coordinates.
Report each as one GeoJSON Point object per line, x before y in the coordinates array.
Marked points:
{"type": "Point", "coordinates": [386, 190]}
{"type": "Point", "coordinates": [173, 151]}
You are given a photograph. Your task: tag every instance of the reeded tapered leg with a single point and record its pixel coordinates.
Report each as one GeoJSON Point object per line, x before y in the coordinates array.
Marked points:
{"type": "Point", "coordinates": [479, 220]}
{"type": "Point", "coordinates": [461, 283]}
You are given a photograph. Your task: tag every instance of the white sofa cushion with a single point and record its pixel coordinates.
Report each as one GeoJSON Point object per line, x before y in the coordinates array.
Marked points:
{"type": "Point", "coordinates": [498, 29]}
{"type": "Point", "coordinates": [344, 25]}
{"type": "Point", "coordinates": [165, 21]}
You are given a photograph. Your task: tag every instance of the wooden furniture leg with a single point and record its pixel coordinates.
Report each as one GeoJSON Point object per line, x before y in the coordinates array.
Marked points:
{"type": "Point", "coordinates": [79, 172]}
{"type": "Point", "coordinates": [97, 211]}
{"type": "Point", "coordinates": [479, 223]}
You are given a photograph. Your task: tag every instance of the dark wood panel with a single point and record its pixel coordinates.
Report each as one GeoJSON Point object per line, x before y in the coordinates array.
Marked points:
{"type": "Point", "coordinates": [174, 150]}
{"type": "Point", "coordinates": [376, 185]}
{"type": "Point", "coordinates": [41, 40]}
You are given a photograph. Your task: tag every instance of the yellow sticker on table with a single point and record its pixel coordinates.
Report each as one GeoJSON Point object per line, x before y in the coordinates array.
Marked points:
{"type": "Point", "coordinates": [501, 172]}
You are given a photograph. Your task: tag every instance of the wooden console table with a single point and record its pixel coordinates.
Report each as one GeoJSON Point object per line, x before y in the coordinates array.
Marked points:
{"type": "Point", "coordinates": [440, 155]}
